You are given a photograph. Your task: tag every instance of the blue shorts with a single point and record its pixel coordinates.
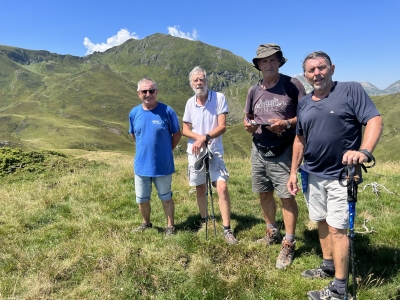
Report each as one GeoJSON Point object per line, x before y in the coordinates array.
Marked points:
{"type": "Point", "coordinates": [143, 186]}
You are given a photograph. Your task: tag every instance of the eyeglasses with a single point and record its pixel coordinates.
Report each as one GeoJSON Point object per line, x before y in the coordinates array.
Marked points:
{"type": "Point", "coordinates": [144, 92]}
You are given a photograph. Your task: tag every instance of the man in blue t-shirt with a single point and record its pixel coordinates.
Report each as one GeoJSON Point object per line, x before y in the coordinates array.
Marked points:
{"type": "Point", "coordinates": [328, 137]}
{"type": "Point", "coordinates": [155, 128]}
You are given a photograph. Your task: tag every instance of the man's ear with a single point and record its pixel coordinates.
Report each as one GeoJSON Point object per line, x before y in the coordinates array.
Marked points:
{"type": "Point", "coordinates": [304, 75]}
{"type": "Point", "coordinates": [332, 69]}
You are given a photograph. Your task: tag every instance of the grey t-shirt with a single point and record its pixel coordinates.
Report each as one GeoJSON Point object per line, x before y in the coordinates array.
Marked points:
{"type": "Point", "coordinates": [278, 102]}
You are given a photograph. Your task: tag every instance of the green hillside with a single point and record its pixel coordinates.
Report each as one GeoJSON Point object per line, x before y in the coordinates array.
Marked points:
{"type": "Point", "coordinates": [52, 101]}
{"type": "Point", "coordinates": [389, 107]}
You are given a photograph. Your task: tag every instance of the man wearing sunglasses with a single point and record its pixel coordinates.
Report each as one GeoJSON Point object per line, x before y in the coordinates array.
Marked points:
{"type": "Point", "coordinates": [155, 128]}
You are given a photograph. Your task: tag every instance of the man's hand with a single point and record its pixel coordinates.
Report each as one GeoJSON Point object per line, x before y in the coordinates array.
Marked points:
{"type": "Point", "coordinates": [353, 157]}
{"type": "Point", "coordinates": [277, 125]}
{"type": "Point", "coordinates": [198, 145]}
{"type": "Point", "coordinates": [249, 125]}
{"type": "Point", "coordinates": [292, 184]}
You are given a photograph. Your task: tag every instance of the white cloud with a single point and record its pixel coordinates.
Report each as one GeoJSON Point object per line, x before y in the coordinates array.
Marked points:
{"type": "Point", "coordinates": [174, 31]}
{"type": "Point", "coordinates": [121, 37]}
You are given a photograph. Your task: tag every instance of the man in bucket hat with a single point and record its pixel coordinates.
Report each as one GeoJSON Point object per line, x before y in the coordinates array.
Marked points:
{"type": "Point", "coordinates": [270, 116]}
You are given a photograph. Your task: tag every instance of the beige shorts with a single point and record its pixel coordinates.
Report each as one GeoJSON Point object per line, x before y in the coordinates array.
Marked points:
{"type": "Point", "coordinates": [326, 200]}
{"type": "Point", "coordinates": [217, 169]}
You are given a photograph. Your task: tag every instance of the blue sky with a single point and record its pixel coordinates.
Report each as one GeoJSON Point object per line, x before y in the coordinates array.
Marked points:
{"type": "Point", "coordinates": [362, 37]}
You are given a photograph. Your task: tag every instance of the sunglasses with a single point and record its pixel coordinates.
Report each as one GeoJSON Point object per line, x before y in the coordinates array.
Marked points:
{"type": "Point", "coordinates": [144, 92]}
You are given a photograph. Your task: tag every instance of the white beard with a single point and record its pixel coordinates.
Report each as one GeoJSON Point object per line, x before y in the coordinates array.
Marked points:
{"type": "Point", "coordinates": [201, 92]}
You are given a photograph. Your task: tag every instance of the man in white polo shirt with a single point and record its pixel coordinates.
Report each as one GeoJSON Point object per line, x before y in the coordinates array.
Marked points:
{"type": "Point", "coordinates": [204, 122]}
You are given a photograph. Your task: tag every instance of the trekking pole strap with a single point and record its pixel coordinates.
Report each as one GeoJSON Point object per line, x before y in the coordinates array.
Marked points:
{"type": "Point", "coordinates": [370, 157]}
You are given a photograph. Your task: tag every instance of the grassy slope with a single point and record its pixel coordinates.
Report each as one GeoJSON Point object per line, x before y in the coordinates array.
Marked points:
{"type": "Point", "coordinates": [51, 101]}
{"type": "Point", "coordinates": [389, 107]}
{"type": "Point", "coordinates": [67, 236]}
{"type": "Point", "coordinates": [58, 102]}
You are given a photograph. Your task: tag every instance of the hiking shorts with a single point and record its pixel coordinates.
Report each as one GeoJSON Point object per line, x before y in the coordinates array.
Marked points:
{"type": "Point", "coordinates": [326, 200]}
{"type": "Point", "coordinates": [271, 173]}
{"type": "Point", "coordinates": [143, 187]}
{"type": "Point", "coordinates": [217, 170]}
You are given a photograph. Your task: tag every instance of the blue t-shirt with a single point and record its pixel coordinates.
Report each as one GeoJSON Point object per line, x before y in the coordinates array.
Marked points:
{"type": "Point", "coordinates": [153, 130]}
{"type": "Point", "coordinates": [332, 126]}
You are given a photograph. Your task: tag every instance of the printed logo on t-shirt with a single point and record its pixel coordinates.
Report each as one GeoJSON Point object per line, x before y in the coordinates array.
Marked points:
{"type": "Point", "coordinates": [266, 106]}
{"type": "Point", "coordinates": [157, 122]}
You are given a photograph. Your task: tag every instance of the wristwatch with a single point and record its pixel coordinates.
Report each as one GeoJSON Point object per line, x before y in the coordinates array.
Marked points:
{"type": "Point", "coordinates": [288, 124]}
{"type": "Point", "coordinates": [208, 137]}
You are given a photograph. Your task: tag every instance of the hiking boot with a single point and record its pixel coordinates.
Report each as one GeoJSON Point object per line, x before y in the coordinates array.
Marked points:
{"type": "Point", "coordinates": [321, 272]}
{"type": "Point", "coordinates": [170, 230]}
{"type": "Point", "coordinates": [328, 293]}
{"type": "Point", "coordinates": [273, 236]}
{"type": "Point", "coordinates": [143, 227]}
{"type": "Point", "coordinates": [230, 239]}
{"type": "Point", "coordinates": [285, 257]}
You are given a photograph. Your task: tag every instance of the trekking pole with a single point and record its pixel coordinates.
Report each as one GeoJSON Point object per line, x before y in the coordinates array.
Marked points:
{"type": "Point", "coordinates": [209, 191]}
{"type": "Point", "coordinates": [207, 179]}
{"type": "Point", "coordinates": [353, 176]}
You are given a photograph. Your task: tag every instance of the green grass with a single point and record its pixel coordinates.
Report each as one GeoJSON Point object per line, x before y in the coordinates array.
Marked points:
{"type": "Point", "coordinates": [66, 234]}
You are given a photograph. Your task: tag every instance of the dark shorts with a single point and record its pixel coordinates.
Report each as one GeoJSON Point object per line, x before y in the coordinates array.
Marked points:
{"type": "Point", "coordinates": [271, 174]}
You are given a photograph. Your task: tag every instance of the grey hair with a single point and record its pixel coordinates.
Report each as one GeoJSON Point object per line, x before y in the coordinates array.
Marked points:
{"type": "Point", "coordinates": [197, 69]}
{"type": "Point", "coordinates": [314, 55]}
{"type": "Point", "coordinates": [146, 79]}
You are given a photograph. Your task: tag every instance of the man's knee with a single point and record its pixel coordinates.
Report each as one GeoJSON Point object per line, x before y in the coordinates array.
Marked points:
{"type": "Point", "coordinates": [267, 196]}
{"type": "Point", "coordinates": [167, 203]}
{"type": "Point", "coordinates": [336, 232]}
{"type": "Point", "coordinates": [288, 202]}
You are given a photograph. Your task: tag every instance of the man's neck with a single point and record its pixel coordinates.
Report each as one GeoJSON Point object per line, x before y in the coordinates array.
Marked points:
{"type": "Point", "coordinates": [149, 107]}
{"type": "Point", "coordinates": [270, 81]}
{"type": "Point", "coordinates": [321, 94]}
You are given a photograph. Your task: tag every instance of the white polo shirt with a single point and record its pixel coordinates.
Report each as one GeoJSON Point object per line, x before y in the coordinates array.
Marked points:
{"type": "Point", "coordinates": [205, 118]}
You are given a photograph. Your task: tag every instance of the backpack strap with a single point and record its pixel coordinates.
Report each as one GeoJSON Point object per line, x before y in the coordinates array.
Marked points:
{"type": "Point", "coordinates": [291, 89]}
{"type": "Point", "coordinates": [252, 92]}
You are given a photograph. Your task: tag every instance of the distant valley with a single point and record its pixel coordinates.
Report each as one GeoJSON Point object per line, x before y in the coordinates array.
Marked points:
{"type": "Point", "coordinates": [52, 101]}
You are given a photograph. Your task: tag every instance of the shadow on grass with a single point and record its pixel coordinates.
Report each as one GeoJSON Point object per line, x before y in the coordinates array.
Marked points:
{"type": "Point", "coordinates": [243, 222]}
{"type": "Point", "coordinates": [192, 222]}
{"type": "Point", "coordinates": [375, 264]}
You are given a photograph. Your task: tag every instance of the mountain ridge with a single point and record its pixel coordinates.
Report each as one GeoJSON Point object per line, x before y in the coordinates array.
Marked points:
{"type": "Point", "coordinates": [51, 101]}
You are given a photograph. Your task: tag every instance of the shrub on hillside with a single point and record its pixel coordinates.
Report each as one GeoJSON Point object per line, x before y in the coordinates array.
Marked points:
{"type": "Point", "coordinates": [16, 161]}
